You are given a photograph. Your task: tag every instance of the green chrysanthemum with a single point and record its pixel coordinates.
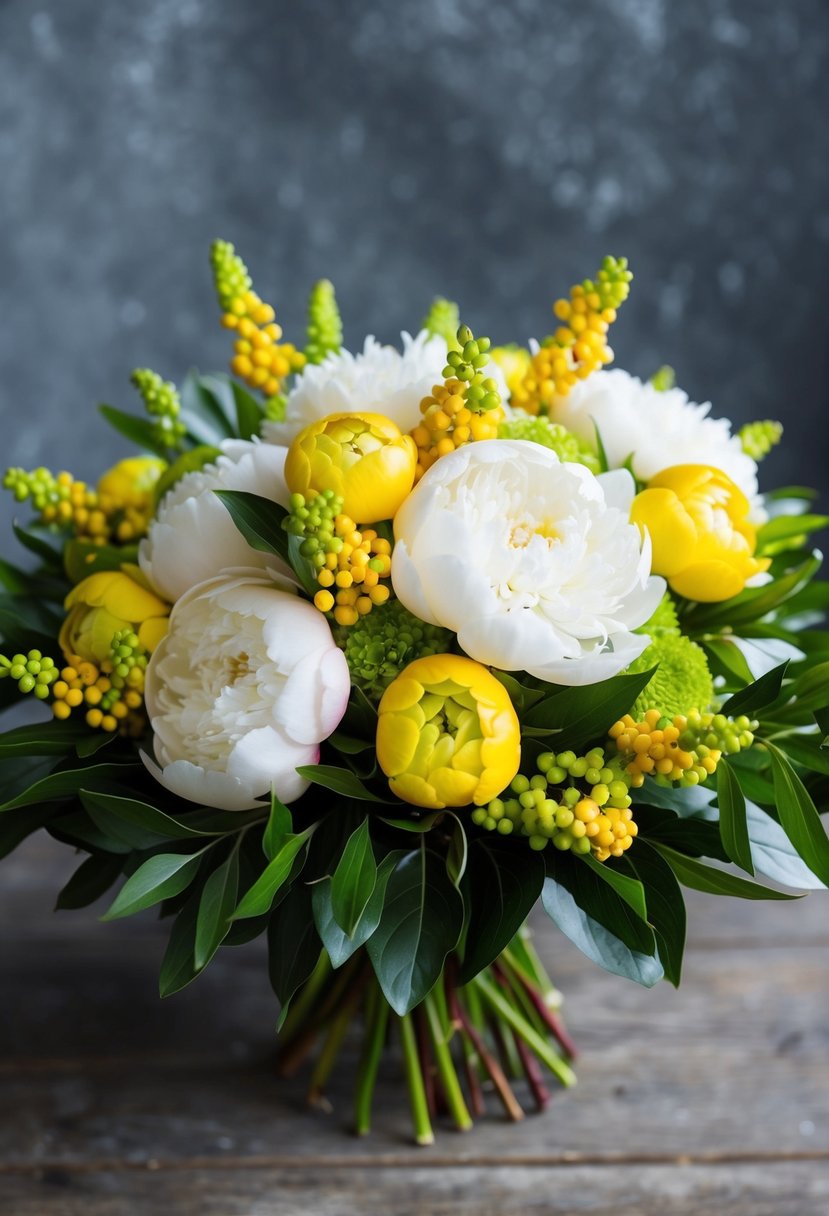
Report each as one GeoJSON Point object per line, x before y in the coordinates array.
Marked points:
{"type": "Point", "coordinates": [681, 682]}
{"type": "Point", "coordinates": [551, 435]}
{"type": "Point", "coordinates": [381, 644]}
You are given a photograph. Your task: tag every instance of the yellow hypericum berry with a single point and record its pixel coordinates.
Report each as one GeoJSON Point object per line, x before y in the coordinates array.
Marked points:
{"type": "Point", "coordinates": [324, 600]}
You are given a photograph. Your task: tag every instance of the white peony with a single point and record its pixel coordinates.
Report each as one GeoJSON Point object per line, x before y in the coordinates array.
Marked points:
{"type": "Point", "coordinates": [193, 536]}
{"type": "Point", "coordinates": [241, 691]}
{"type": "Point", "coordinates": [658, 429]}
{"type": "Point", "coordinates": [380, 380]}
{"type": "Point", "coordinates": [533, 562]}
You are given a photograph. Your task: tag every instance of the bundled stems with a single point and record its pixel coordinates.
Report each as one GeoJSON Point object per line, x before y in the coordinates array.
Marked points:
{"type": "Point", "coordinates": [499, 1028]}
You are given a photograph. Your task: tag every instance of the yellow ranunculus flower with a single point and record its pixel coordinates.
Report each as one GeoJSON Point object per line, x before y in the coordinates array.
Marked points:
{"type": "Point", "coordinates": [447, 733]}
{"type": "Point", "coordinates": [702, 540]}
{"type": "Point", "coordinates": [364, 458]}
{"type": "Point", "coordinates": [105, 603]}
{"type": "Point", "coordinates": [126, 494]}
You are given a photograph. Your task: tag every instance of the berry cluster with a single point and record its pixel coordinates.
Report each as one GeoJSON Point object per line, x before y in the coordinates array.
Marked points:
{"type": "Point", "coordinates": [685, 749]}
{"type": "Point", "coordinates": [466, 407]}
{"type": "Point", "coordinates": [593, 816]}
{"type": "Point", "coordinates": [111, 694]}
{"type": "Point", "coordinates": [579, 345]}
{"type": "Point", "coordinates": [325, 327]}
{"type": "Point", "coordinates": [33, 672]}
{"type": "Point", "coordinates": [60, 500]}
{"type": "Point", "coordinates": [259, 359]}
{"type": "Point", "coordinates": [163, 404]}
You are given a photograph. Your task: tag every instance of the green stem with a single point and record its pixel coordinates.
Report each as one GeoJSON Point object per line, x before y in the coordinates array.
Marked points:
{"type": "Point", "coordinates": [377, 1020]}
{"type": "Point", "coordinates": [446, 1068]}
{"type": "Point", "coordinates": [414, 1078]}
{"type": "Point", "coordinates": [328, 1056]}
{"type": "Point", "coordinates": [522, 945]}
{"type": "Point", "coordinates": [501, 1006]}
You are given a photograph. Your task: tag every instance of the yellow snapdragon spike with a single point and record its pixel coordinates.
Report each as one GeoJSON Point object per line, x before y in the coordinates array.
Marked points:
{"type": "Point", "coordinates": [447, 733]}
{"type": "Point", "coordinates": [260, 359]}
{"type": "Point", "coordinates": [579, 345]}
{"type": "Point", "coordinates": [363, 458]}
{"type": "Point", "coordinates": [698, 522]}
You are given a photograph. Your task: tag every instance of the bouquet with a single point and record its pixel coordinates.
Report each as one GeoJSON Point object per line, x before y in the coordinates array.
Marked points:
{"type": "Point", "coordinates": [371, 653]}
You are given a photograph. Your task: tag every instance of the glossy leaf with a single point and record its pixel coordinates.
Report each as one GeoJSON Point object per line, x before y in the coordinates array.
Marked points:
{"type": "Point", "coordinates": [774, 854]}
{"type": "Point", "coordinates": [421, 922]}
{"type": "Point", "coordinates": [50, 738]}
{"type": "Point", "coordinates": [67, 783]}
{"type": "Point", "coordinates": [278, 828]}
{"type": "Point", "coordinates": [259, 520]}
{"type": "Point", "coordinates": [293, 943]}
{"type": "Point", "coordinates": [758, 695]}
{"type": "Point", "coordinates": [340, 781]}
{"type": "Point", "coordinates": [457, 854]}
{"type": "Point", "coordinates": [504, 886]}
{"type": "Point", "coordinates": [130, 812]}
{"type": "Point", "coordinates": [160, 877]}
{"type": "Point", "coordinates": [248, 412]}
{"type": "Point", "coordinates": [581, 714]}
{"type": "Point", "coordinates": [259, 898]}
{"type": "Point", "coordinates": [178, 967]}
{"type": "Point", "coordinates": [666, 906]}
{"type": "Point", "coordinates": [733, 823]}
{"type": "Point", "coordinates": [798, 815]}
{"type": "Point", "coordinates": [701, 877]}
{"type": "Point", "coordinates": [627, 888]}
{"type": "Point", "coordinates": [354, 880]}
{"type": "Point", "coordinates": [339, 945]}
{"type": "Point", "coordinates": [218, 899]}
{"type": "Point", "coordinates": [575, 910]}
{"type": "Point", "coordinates": [138, 430]}
{"type": "Point", "coordinates": [91, 880]}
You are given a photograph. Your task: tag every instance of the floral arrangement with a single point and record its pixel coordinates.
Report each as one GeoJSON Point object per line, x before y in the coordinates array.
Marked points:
{"type": "Point", "coordinates": [370, 653]}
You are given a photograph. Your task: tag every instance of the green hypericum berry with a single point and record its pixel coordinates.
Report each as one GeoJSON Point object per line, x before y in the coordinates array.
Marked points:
{"type": "Point", "coordinates": [32, 672]}
{"type": "Point", "coordinates": [663, 379]}
{"type": "Point", "coordinates": [325, 327]}
{"type": "Point", "coordinates": [163, 404]}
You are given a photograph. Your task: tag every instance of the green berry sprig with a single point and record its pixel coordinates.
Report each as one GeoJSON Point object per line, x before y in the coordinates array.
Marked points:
{"type": "Point", "coordinates": [33, 672]}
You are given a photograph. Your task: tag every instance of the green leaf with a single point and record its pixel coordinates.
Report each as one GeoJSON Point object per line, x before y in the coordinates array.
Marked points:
{"type": "Point", "coordinates": [753, 603]}
{"type": "Point", "coordinates": [784, 527]}
{"type": "Point", "coordinates": [421, 922]}
{"type": "Point", "coordinates": [629, 889]}
{"type": "Point", "coordinates": [575, 908]}
{"type": "Point", "coordinates": [51, 738]}
{"type": "Point", "coordinates": [160, 877]}
{"type": "Point", "coordinates": [259, 520]}
{"type": "Point", "coordinates": [67, 783]}
{"type": "Point", "coordinates": [93, 742]}
{"type": "Point", "coordinates": [259, 898]}
{"type": "Point", "coordinates": [457, 853]}
{"type": "Point", "coordinates": [278, 828]}
{"type": "Point", "coordinates": [692, 834]}
{"type": "Point", "coordinates": [348, 745]}
{"type": "Point", "coordinates": [206, 408]}
{"type": "Point", "coordinates": [774, 854]}
{"type": "Point", "coordinates": [806, 750]}
{"type": "Point", "coordinates": [504, 886]}
{"type": "Point", "coordinates": [218, 899]}
{"type": "Point", "coordinates": [248, 412]}
{"type": "Point", "coordinates": [178, 966]}
{"type": "Point", "coordinates": [758, 695]}
{"type": "Point", "coordinates": [15, 826]}
{"type": "Point", "coordinates": [733, 823]}
{"type": "Point", "coordinates": [138, 430]}
{"type": "Point", "coordinates": [581, 714]}
{"type": "Point", "coordinates": [340, 781]}
{"type": "Point", "coordinates": [666, 906]}
{"type": "Point", "coordinates": [90, 881]}
{"type": "Point", "coordinates": [727, 660]}
{"type": "Point", "coordinates": [798, 815]}
{"type": "Point", "coordinates": [83, 557]}
{"type": "Point", "coordinates": [110, 810]}
{"type": "Point", "coordinates": [354, 880]}
{"type": "Point", "coordinates": [700, 877]}
{"type": "Point", "coordinates": [339, 945]}
{"type": "Point", "coordinates": [293, 943]}
{"type": "Point", "coordinates": [424, 823]}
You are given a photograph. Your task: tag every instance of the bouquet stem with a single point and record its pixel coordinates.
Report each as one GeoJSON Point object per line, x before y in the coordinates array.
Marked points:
{"type": "Point", "coordinates": [500, 1029]}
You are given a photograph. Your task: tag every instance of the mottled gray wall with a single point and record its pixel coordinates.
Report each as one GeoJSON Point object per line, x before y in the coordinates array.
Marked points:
{"type": "Point", "coordinates": [489, 151]}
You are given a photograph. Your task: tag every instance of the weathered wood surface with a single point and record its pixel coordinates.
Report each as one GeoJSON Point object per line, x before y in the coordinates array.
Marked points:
{"type": "Point", "coordinates": [113, 1103]}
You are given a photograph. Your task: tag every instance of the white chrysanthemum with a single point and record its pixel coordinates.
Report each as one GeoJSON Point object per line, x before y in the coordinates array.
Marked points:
{"type": "Point", "coordinates": [193, 536]}
{"type": "Point", "coordinates": [379, 380]}
{"type": "Point", "coordinates": [241, 691]}
{"type": "Point", "coordinates": [658, 429]}
{"type": "Point", "coordinates": [534, 563]}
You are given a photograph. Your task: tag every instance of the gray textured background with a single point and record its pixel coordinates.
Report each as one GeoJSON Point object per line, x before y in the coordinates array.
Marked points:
{"type": "Point", "coordinates": [489, 151]}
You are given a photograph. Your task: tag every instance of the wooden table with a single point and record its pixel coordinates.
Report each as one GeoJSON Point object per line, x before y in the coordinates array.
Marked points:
{"type": "Point", "coordinates": [713, 1099]}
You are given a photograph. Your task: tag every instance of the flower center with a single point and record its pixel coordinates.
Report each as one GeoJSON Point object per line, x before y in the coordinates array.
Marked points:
{"type": "Point", "coordinates": [238, 666]}
{"type": "Point", "coordinates": [523, 533]}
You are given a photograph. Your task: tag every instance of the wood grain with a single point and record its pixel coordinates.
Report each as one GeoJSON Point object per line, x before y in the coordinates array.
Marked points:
{"type": "Point", "coordinates": [114, 1102]}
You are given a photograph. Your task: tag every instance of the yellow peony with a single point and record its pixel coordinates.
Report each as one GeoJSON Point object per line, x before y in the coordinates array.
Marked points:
{"type": "Point", "coordinates": [105, 603]}
{"type": "Point", "coordinates": [363, 458]}
{"type": "Point", "coordinates": [447, 734]}
{"type": "Point", "coordinates": [703, 542]}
